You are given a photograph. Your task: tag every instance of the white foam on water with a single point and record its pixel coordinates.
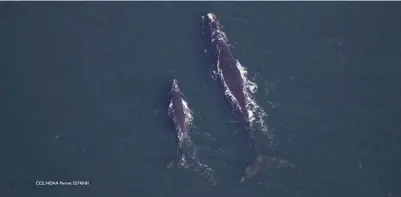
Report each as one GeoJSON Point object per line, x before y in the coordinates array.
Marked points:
{"type": "Point", "coordinates": [190, 158]}
{"type": "Point", "coordinates": [221, 36]}
{"type": "Point", "coordinates": [170, 106]}
{"type": "Point", "coordinates": [206, 171]}
{"type": "Point", "coordinates": [188, 116]}
{"type": "Point", "coordinates": [188, 113]}
{"type": "Point", "coordinates": [258, 119]}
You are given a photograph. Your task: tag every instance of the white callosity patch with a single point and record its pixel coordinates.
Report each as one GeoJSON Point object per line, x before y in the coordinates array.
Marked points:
{"type": "Point", "coordinates": [215, 28]}
{"type": "Point", "coordinates": [211, 17]}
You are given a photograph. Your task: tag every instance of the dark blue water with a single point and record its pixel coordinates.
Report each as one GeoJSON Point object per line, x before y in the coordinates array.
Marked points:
{"type": "Point", "coordinates": [84, 88]}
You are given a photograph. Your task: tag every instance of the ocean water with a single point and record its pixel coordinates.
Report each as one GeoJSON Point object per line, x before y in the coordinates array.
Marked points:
{"type": "Point", "coordinates": [84, 89]}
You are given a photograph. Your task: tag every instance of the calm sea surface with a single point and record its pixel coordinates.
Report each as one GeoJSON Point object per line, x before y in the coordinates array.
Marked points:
{"type": "Point", "coordinates": [84, 88]}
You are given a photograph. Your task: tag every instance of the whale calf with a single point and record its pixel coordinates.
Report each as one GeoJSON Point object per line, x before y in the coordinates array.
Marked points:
{"type": "Point", "coordinates": [228, 70]}
{"type": "Point", "coordinates": [181, 116]}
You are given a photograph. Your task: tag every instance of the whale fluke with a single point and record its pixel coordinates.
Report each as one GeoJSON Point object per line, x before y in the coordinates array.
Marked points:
{"type": "Point", "coordinates": [262, 163]}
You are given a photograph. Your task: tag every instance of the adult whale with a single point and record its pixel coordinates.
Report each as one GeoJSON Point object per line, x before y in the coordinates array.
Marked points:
{"type": "Point", "coordinates": [228, 70]}
{"type": "Point", "coordinates": [181, 116]}
{"type": "Point", "coordinates": [226, 67]}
